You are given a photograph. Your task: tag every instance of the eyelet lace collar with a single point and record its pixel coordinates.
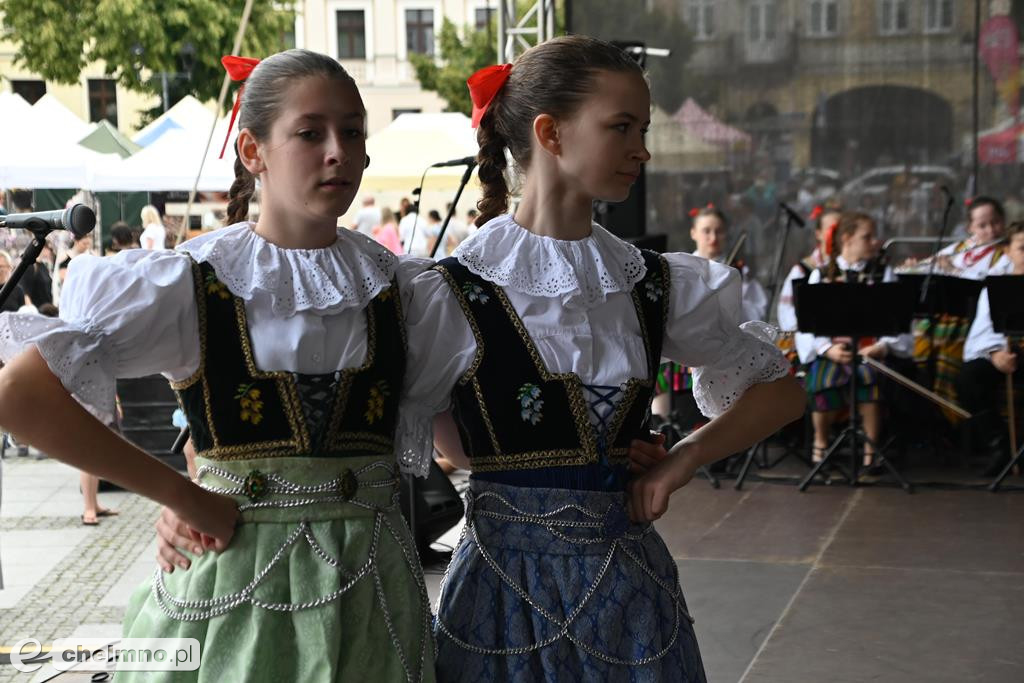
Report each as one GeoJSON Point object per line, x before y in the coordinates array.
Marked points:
{"type": "Point", "coordinates": [347, 274]}
{"type": "Point", "coordinates": [581, 272]}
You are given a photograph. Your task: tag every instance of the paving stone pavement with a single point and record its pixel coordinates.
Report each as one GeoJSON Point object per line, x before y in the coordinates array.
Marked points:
{"type": "Point", "coordinates": [55, 600]}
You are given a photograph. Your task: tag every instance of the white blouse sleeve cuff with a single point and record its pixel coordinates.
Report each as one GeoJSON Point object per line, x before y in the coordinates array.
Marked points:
{"type": "Point", "coordinates": [414, 440]}
{"type": "Point", "coordinates": [74, 352]}
{"type": "Point", "coordinates": [750, 357]}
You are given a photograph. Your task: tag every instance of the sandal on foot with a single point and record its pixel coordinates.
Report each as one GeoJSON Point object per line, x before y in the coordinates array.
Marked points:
{"type": "Point", "coordinates": [817, 454]}
{"type": "Point", "coordinates": [107, 512]}
{"type": "Point", "coordinates": [89, 522]}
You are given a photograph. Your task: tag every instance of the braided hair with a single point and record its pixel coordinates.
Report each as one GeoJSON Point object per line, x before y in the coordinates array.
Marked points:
{"type": "Point", "coordinates": [551, 78]}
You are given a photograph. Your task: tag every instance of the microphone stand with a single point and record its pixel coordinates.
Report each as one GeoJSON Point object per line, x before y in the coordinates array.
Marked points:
{"type": "Point", "coordinates": [455, 202]}
{"type": "Point", "coordinates": [29, 257]}
{"type": "Point", "coordinates": [773, 286]}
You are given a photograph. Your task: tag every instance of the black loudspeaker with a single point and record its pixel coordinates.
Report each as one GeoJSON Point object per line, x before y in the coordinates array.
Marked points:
{"type": "Point", "coordinates": [629, 218]}
{"type": "Point", "coordinates": [436, 508]}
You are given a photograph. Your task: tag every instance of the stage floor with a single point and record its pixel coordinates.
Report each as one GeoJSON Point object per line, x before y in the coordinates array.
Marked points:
{"type": "Point", "coordinates": [837, 584]}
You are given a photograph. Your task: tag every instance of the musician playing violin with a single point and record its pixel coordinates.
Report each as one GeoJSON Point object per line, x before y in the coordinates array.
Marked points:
{"type": "Point", "coordinates": [972, 258]}
{"type": "Point", "coordinates": [710, 232]}
{"type": "Point", "coordinates": [989, 357]}
{"type": "Point", "coordinates": [853, 248]}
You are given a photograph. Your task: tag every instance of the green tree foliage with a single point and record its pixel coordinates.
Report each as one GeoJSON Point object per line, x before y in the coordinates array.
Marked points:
{"type": "Point", "coordinates": [136, 40]}
{"type": "Point", "coordinates": [461, 57]}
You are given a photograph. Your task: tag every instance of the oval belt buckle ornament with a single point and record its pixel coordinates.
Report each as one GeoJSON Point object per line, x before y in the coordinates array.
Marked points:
{"type": "Point", "coordinates": [255, 485]}
{"type": "Point", "coordinates": [347, 485]}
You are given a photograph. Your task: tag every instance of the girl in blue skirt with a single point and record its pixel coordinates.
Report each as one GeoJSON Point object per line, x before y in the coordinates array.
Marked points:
{"type": "Point", "coordinates": [543, 334]}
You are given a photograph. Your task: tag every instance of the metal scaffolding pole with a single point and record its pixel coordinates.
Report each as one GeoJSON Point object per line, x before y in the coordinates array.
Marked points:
{"type": "Point", "coordinates": [519, 33]}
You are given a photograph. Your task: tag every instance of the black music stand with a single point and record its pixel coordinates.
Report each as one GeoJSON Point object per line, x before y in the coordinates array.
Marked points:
{"type": "Point", "coordinates": [760, 451]}
{"type": "Point", "coordinates": [946, 295]}
{"type": "Point", "coordinates": [1004, 295]}
{"type": "Point", "coordinates": [855, 311]}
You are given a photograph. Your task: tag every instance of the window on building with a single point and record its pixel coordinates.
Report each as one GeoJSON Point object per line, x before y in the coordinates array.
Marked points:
{"type": "Point", "coordinates": [288, 38]}
{"type": "Point", "coordinates": [938, 16]}
{"type": "Point", "coordinates": [103, 100]}
{"type": "Point", "coordinates": [30, 90]}
{"type": "Point", "coordinates": [419, 31]}
{"type": "Point", "coordinates": [761, 21]}
{"type": "Point", "coordinates": [824, 18]}
{"type": "Point", "coordinates": [893, 16]}
{"type": "Point", "coordinates": [395, 113]}
{"type": "Point", "coordinates": [482, 17]}
{"type": "Point", "coordinates": [700, 16]}
{"type": "Point", "coordinates": [351, 27]}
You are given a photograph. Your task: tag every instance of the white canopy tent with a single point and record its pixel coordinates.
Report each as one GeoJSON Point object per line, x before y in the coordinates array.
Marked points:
{"type": "Point", "coordinates": [171, 162]}
{"type": "Point", "coordinates": [41, 149]}
{"type": "Point", "coordinates": [400, 152]}
{"type": "Point", "coordinates": [188, 113]}
{"type": "Point", "coordinates": [60, 122]}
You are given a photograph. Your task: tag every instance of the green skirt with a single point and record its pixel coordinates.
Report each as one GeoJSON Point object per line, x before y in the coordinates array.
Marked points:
{"type": "Point", "coordinates": [321, 581]}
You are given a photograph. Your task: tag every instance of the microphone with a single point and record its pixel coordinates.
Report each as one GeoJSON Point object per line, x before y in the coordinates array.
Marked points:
{"type": "Point", "coordinates": [949, 195]}
{"type": "Point", "coordinates": [464, 161]}
{"type": "Point", "coordinates": [79, 219]}
{"type": "Point", "coordinates": [794, 216]}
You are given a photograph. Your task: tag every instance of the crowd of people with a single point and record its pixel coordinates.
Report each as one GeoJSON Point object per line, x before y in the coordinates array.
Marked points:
{"type": "Point", "coordinates": [404, 231]}
{"type": "Point", "coordinates": [958, 356]}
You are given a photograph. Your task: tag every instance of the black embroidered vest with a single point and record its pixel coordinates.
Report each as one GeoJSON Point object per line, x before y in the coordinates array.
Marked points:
{"type": "Point", "coordinates": [235, 411]}
{"type": "Point", "coordinates": [512, 413]}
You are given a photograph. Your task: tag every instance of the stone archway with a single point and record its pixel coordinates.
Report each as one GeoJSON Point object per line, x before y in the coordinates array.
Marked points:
{"type": "Point", "coordinates": [879, 125]}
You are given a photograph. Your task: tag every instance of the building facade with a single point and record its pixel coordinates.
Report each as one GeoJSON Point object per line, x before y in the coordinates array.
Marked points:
{"type": "Point", "coordinates": [844, 84]}
{"type": "Point", "coordinates": [371, 38]}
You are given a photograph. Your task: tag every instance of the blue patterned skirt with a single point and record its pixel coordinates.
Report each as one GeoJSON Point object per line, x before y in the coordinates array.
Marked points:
{"type": "Point", "coordinates": [558, 585]}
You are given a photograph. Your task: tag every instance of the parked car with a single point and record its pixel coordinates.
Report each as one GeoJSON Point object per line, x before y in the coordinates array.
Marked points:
{"type": "Point", "coordinates": [877, 181]}
{"type": "Point", "coordinates": [825, 180]}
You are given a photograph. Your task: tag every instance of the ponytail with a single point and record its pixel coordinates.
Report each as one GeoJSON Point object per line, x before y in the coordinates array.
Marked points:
{"type": "Point", "coordinates": [241, 193]}
{"type": "Point", "coordinates": [491, 171]}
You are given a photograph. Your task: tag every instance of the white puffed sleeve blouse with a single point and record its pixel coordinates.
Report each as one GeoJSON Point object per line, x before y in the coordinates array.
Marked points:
{"type": "Point", "coordinates": [574, 300]}
{"type": "Point", "coordinates": [134, 314]}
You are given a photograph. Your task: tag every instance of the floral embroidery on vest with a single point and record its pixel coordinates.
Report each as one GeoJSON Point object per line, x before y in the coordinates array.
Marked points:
{"type": "Point", "coordinates": [530, 403]}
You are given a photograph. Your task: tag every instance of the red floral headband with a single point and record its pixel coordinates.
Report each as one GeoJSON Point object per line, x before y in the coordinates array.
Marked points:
{"type": "Point", "coordinates": [484, 85]}
{"type": "Point", "coordinates": [817, 212]}
{"type": "Point", "coordinates": [238, 69]}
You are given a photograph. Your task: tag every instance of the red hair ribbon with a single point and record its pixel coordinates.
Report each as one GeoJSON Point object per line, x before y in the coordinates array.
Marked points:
{"type": "Point", "coordinates": [238, 69]}
{"type": "Point", "coordinates": [484, 86]}
{"type": "Point", "coordinates": [968, 201]}
{"type": "Point", "coordinates": [829, 238]}
{"type": "Point", "coordinates": [817, 211]}
{"type": "Point", "coordinates": [694, 212]}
